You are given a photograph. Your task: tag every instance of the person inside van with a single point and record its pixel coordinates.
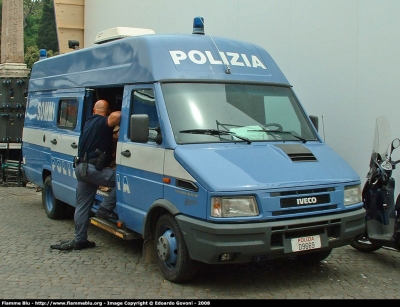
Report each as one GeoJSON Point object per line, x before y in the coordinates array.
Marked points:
{"type": "Point", "coordinates": [92, 170]}
{"type": "Point", "coordinates": [113, 161]}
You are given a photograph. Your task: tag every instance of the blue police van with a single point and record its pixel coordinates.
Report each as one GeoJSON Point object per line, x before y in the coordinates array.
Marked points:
{"type": "Point", "coordinates": [217, 161]}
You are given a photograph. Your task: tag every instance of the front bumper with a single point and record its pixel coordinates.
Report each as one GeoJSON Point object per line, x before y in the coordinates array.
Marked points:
{"type": "Point", "coordinates": [206, 242]}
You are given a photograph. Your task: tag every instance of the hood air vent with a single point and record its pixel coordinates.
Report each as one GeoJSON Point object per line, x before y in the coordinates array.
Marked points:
{"type": "Point", "coordinates": [297, 152]}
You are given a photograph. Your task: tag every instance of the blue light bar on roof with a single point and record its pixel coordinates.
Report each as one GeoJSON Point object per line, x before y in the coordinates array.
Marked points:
{"type": "Point", "coordinates": [42, 54]}
{"type": "Point", "coordinates": [198, 25]}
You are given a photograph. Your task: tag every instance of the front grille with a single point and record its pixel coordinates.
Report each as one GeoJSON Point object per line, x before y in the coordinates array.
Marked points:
{"type": "Point", "coordinates": [302, 192]}
{"type": "Point", "coordinates": [305, 201]}
{"type": "Point", "coordinates": [303, 210]}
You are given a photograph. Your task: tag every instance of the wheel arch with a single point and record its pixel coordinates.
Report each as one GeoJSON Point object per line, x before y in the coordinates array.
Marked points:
{"type": "Point", "coordinates": [45, 173]}
{"type": "Point", "coordinates": [158, 208]}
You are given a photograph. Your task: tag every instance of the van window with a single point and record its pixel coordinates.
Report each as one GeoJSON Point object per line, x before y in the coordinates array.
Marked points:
{"type": "Point", "coordinates": [67, 113]}
{"type": "Point", "coordinates": [143, 102]}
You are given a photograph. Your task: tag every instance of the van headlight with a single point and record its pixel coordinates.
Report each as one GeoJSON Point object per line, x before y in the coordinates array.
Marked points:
{"type": "Point", "coordinates": [234, 206]}
{"type": "Point", "coordinates": [352, 195]}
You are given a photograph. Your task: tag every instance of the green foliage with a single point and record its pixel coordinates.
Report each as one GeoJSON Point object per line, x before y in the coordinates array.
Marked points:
{"type": "Point", "coordinates": [31, 56]}
{"type": "Point", "coordinates": [47, 28]}
{"type": "Point", "coordinates": [32, 16]}
{"type": "Point", "coordinates": [35, 13]}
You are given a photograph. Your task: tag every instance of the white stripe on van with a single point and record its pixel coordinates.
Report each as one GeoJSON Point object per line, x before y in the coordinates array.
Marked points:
{"type": "Point", "coordinates": [152, 159]}
{"type": "Point", "coordinates": [37, 137]}
{"type": "Point", "coordinates": [143, 157]}
{"type": "Point", "coordinates": [41, 137]}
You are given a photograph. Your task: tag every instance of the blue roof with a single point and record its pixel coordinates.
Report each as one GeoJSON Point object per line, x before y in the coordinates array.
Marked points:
{"type": "Point", "coordinates": [152, 58]}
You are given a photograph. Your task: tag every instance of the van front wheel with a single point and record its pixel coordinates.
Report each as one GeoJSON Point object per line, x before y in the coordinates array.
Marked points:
{"type": "Point", "coordinates": [172, 255]}
{"type": "Point", "coordinates": [55, 209]}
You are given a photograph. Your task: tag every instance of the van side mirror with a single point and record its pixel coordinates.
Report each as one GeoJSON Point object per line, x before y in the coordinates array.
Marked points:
{"type": "Point", "coordinates": [138, 129]}
{"type": "Point", "coordinates": [314, 120]}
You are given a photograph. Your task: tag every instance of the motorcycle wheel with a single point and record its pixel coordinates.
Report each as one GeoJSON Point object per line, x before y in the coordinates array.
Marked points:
{"type": "Point", "coordinates": [314, 257]}
{"type": "Point", "coordinates": [363, 244]}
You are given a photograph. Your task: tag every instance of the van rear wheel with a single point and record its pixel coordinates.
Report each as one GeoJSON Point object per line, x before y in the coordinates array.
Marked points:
{"type": "Point", "coordinates": [172, 255]}
{"type": "Point", "coordinates": [55, 209]}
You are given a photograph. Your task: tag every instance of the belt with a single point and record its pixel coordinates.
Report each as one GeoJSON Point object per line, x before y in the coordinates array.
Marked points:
{"type": "Point", "coordinates": [90, 161]}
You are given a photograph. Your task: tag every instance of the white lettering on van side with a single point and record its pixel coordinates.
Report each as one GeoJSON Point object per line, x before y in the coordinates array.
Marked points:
{"type": "Point", "coordinates": [232, 58]}
{"type": "Point", "coordinates": [125, 184]}
{"type": "Point", "coordinates": [59, 166]}
{"type": "Point", "coordinates": [67, 168]}
{"type": "Point", "coordinates": [118, 182]}
{"type": "Point", "coordinates": [62, 167]}
{"type": "Point", "coordinates": [46, 110]}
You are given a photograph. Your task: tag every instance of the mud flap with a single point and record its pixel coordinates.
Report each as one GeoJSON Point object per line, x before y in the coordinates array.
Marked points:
{"type": "Point", "coordinates": [148, 251]}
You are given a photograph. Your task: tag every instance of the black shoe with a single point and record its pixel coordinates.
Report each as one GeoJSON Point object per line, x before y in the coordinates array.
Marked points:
{"type": "Point", "coordinates": [82, 245]}
{"type": "Point", "coordinates": [106, 214]}
{"type": "Point", "coordinates": [64, 245]}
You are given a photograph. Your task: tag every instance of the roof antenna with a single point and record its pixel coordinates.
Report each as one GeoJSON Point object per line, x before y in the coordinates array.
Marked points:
{"type": "Point", "coordinates": [198, 28]}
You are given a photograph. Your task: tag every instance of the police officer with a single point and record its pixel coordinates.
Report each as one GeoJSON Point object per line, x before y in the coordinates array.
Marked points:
{"type": "Point", "coordinates": [91, 170]}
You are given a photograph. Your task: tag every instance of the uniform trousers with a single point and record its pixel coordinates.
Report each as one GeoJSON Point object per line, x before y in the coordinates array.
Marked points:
{"type": "Point", "coordinates": [86, 193]}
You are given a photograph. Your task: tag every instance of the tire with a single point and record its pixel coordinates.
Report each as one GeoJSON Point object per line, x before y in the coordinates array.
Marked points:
{"type": "Point", "coordinates": [55, 209]}
{"type": "Point", "coordinates": [314, 257]}
{"type": "Point", "coordinates": [172, 255]}
{"type": "Point", "coordinates": [362, 244]}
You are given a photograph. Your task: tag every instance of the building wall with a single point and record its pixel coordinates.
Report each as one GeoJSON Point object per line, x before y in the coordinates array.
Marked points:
{"type": "Point", "coordinates": [70, 22]}
{"type": "Point", "coordinates": [342, 57]}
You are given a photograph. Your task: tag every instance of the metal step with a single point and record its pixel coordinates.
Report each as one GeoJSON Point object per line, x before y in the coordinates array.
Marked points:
{"type": "Point", "coordinates": [113, 228]}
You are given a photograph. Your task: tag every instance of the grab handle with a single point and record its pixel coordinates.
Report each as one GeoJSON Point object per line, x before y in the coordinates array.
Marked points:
{"type": "Point", "coordinates": [126, 153]}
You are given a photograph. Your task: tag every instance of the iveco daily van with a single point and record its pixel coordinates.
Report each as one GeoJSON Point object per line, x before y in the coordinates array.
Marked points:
{"type": "Point", "coordinates": [217, 161]}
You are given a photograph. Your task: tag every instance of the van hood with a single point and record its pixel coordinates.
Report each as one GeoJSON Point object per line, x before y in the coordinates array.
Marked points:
{"type": "Point", "coordinates": [233, 167]}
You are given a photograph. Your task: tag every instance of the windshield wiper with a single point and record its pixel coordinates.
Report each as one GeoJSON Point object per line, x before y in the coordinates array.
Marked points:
{"type": "Point", "coordinates": [287, 132]}
{"type": "Point", "coordinates": [280, 131]}
{"type": "Point", "coordinates": [215, 132]}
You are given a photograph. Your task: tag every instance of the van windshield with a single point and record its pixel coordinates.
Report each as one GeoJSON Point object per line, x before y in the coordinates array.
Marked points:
{"type": "Point", "coordinates": [214, 112]}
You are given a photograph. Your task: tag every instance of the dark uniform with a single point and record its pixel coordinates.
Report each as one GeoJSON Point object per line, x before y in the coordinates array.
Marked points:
{"type": "Point", "coordinates": [96, 136]}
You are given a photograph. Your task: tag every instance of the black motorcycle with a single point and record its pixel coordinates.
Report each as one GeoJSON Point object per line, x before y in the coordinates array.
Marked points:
{"type": "Point", "coordinates": [382, 220]}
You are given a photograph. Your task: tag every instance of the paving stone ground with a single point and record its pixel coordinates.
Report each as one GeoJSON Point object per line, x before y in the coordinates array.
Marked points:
{"type": "Point", "coordinates": [29, 269]}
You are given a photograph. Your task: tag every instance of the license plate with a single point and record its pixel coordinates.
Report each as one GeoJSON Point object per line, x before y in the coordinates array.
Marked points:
{"type": "Point", "coordinates": [306, 243]}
